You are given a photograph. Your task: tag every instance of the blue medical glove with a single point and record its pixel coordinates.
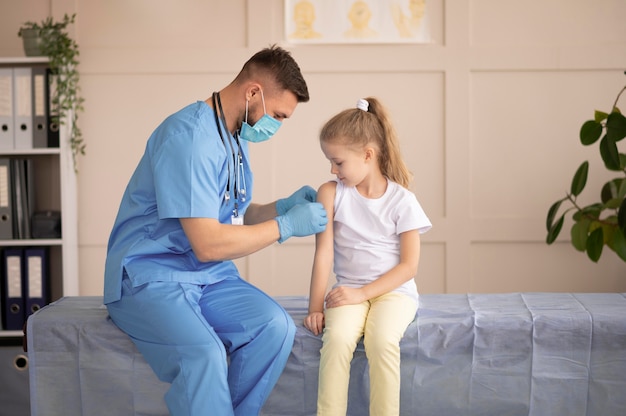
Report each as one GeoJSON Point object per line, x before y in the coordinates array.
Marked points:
{"type": "Point", "coordinates": [302, 220]}
{"type": "Point", "coordinates": [301, 196]}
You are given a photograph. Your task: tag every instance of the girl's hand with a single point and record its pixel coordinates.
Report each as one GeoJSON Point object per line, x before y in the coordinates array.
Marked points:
{"type": "Point", "coordinates": [342, 295]}
{"type": "Point", "coordinates": [314, 322]}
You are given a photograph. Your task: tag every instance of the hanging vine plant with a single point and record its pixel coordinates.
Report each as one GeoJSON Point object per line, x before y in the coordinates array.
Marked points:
{"type": "Point", "coordinates": [51, 39]}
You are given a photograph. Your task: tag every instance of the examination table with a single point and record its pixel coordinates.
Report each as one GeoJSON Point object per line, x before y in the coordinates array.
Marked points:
{"type": "Point", "coordinates": [478, 354]}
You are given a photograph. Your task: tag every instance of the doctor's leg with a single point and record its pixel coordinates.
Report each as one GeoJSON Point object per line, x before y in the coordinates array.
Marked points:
{"type": "Point", "coordinates": [258, 335]}
{"type": "Point", "coordinates": [166, 324]}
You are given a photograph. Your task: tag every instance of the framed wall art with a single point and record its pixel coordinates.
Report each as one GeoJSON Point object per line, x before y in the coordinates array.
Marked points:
{"type": "Point", "coordinates": [356, 21]}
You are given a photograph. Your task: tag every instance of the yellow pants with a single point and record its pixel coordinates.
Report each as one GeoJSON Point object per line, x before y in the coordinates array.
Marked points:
{"type": "Point", "coordinates": [381, 322]}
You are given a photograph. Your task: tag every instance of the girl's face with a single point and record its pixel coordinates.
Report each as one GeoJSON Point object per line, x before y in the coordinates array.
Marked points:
{"type": "Point", "coordinates": [350, 164]}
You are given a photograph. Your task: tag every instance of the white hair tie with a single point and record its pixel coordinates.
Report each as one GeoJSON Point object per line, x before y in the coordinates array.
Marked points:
{"type": "Point", "coordinates": [362, 105]}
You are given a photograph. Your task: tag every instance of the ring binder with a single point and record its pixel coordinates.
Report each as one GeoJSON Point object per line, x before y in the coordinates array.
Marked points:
{"type": "Point", "coordinates": [12, 296]}
{"type": "Point", "coordinates": [6, 108]}
{"type": "Point", "coordinates": [40, 99]}
{"type": "Point", "coordinates": [35, 279]}
{"type": "Point", "coordinates": [22, 106]}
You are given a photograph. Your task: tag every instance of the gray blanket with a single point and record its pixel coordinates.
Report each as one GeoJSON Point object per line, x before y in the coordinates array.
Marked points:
{"type": "Point", "coordinates": [493, 354]}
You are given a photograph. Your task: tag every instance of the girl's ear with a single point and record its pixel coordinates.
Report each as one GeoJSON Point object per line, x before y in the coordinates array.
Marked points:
{"type": "Point", "coordinates": [369, 154]}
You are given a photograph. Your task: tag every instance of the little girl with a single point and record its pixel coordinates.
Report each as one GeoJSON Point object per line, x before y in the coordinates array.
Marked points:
{"type": "Point", "coordinates": [373, 242]}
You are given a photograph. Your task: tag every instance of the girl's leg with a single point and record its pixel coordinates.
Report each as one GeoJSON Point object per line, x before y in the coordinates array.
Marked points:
{"type": "Point", "coordinates": [343, 330]}
{"type": "Point", "coordinates": [389, 316]}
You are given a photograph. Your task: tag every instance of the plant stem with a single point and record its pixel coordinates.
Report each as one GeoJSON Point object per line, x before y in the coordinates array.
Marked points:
{"type": "Point", "coordinates": [617, 99]}
{"type": "Point", "coordinates": [580, 210]}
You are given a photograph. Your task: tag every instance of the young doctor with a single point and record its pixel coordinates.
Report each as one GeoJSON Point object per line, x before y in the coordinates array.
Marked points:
{"type": "Point", "coordinates": [186, 213]}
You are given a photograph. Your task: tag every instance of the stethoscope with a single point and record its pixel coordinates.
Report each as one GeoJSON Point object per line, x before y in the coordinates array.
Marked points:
{"type": "Point", "coordinates": [239, 176]}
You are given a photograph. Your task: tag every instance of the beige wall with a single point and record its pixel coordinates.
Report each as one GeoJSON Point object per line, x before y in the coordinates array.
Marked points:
{"type": "Point", "coordinates": [488, 117]}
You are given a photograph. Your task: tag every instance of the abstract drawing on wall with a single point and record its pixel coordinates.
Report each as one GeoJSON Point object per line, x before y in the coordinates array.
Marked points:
{"type": "Point", "coordinates": [356, 21]}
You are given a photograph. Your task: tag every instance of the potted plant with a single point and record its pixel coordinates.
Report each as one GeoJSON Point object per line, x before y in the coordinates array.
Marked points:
{"type": "Point", "coordinates": [51, 39]}
{"type": "Point", "coordinates": [603, 222]}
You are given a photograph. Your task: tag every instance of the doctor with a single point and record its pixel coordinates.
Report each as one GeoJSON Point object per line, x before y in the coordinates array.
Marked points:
{"type": "Point", "coordinates": [186, 213]}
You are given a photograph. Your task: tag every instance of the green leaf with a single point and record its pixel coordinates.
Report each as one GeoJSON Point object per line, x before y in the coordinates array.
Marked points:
{"type": "Point", "coordinates": [610, 190]}
{"type": "Point", "coordinates": [618, 244]}
{"type": "Point", "coordinates": [577, 216]}
{"type": "Point", "coordinates": [580, 179]}
{"type": "Point", "coordinates": [600, 116]}
{"type": "Point", "coordinates": [595, 243]}
{"type": "Point", "coordinates": [616, 126]}
{"type": "Point", "coordinates": [613, 203]}
{"type": "Point", "coordinates": [607, 230]}
{"type": "Point", "coordinates": [593, 210]}
{"type": "Point", "coordinates": [609, 153]}
{"type": "Point", "coordinates": [554, 231]}
{"type": "Point", "coordinates": [621, 217]}
{"type": "Point", "coordinates": [579, 233]}
{"type": "Point", "coordinates": [552, 213]}
{"type": "Point", "coordinates": [590, 132]}
{"type": "Point", "coordinates": [621, 192]}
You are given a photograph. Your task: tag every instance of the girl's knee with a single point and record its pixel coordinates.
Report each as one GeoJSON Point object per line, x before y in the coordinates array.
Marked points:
{"type": "Point", "coordinates": [380, 346]}
{"type": "Point", "coordinates": [338, 339]}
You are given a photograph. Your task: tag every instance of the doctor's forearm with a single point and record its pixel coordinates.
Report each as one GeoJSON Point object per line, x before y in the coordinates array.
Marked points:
{"type": "Point", "coordinates": [257, 213]}
{"type": "Point", "coordinates": [213, 241]}
{"type": "Point", "coordinates": [242, 241]}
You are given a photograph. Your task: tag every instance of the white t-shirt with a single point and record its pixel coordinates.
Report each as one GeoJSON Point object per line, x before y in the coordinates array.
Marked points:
{"type": "Point", "coordinates": [367, 234]}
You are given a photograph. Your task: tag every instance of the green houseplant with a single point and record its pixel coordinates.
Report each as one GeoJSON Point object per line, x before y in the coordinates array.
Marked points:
{"type": "Point", "coordinates": [51, 39]}
{"type": "Point", "coordinates": [604, 222]}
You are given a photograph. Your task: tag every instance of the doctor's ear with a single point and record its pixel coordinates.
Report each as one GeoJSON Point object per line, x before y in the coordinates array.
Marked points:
{"type": "Point", "coordinates": [253, 90]}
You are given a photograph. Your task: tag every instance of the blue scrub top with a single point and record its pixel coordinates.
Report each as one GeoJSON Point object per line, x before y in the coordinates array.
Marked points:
{"type": "Point", "coordinates": [182, 174]}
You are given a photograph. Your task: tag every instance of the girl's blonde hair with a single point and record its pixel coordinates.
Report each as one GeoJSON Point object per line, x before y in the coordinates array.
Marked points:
{"type": "Point", "coordinates": [357, 127]}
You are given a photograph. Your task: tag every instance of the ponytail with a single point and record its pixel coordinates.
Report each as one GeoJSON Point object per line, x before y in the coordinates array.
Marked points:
{"type": "Point", "coordinates": [369, 123]}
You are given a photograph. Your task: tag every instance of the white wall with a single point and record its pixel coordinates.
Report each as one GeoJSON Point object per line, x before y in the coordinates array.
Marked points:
{"type": "Point", "coordinates": [488, 117]}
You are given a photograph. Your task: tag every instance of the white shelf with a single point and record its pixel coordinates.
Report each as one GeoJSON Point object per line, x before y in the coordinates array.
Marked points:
{"type": "Point", "coordinates": [24, 60]}
{"type": "Point", "coordinates": [32, 242]}
{"type": "Point", "coordinates": [11, 334]}
{"type": "Point", "coordinates": [27, 152]}
{"type": "Point", "coordinates": [55, 189]}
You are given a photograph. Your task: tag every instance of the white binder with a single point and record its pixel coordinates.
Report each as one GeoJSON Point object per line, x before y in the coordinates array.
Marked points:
{"type": "Point", "coordinates": [6, 108]}
{"type": "Point", "coordinates": [22, 108]}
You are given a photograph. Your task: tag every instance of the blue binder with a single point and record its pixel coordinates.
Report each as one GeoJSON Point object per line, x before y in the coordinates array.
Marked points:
{"type": "Point", "coordinates": [35, 279]}
{"type": "Point", "coordinates": [12, 296]}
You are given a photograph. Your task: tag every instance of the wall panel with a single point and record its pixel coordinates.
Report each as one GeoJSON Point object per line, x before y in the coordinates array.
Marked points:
{"type": "Point", "coordinates": [531, 267]}
{"type": "Point", "coordinates": [488, 116]}
{"type": "Point", "coordinates": [525, 146]}
{"type": "Point", "coordinates": [550, 22]}
{"type": "Point", "coordinates": [137, 24]}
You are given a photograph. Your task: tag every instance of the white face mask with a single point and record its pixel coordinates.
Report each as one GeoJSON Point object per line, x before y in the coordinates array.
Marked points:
{"type": "Point", "coordinates": [262, 130]}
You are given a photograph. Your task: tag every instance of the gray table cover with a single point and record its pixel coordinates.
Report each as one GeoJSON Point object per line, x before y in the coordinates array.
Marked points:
{"type": "Point", "coordinates": [477, 354]}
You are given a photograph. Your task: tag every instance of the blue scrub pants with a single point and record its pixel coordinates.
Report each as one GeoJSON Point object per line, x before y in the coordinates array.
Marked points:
{"type": "Point", "coordinates": [186, 331]}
